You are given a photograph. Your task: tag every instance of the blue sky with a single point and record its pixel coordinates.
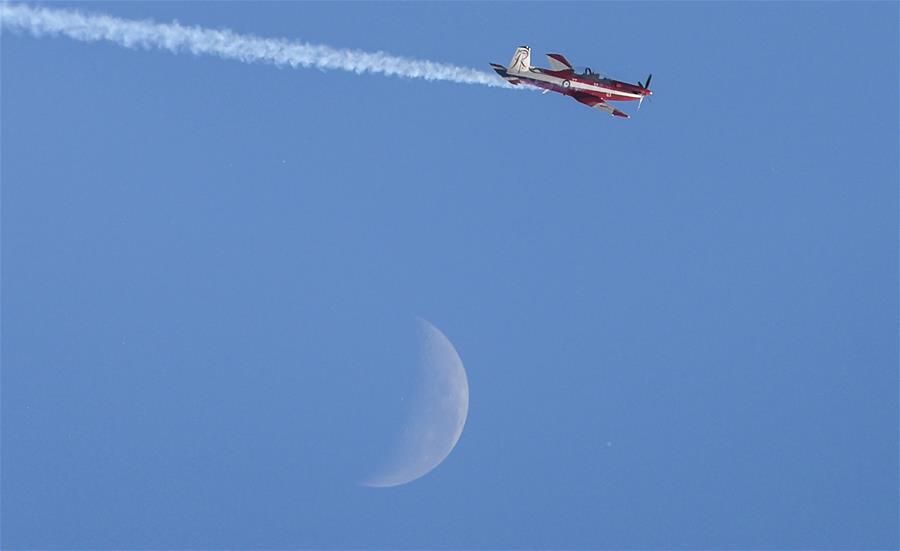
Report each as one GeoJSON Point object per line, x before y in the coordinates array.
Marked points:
{"type": "Point", "coordinates": [680, 330]}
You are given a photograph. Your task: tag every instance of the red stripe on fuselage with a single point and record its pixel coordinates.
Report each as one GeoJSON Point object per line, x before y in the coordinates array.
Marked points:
{"type": "Point", "coordinates": [612, 85]}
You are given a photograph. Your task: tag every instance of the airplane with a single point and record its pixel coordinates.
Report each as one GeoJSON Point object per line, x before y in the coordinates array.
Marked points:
{"type": "Point", "coordinates": [586, 87]}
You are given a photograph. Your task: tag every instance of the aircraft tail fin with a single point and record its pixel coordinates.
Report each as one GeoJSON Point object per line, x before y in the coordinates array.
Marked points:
{"type": "Point", "coordinates": [521, 60]}
{"type": "Point", "coordinates": [558, 62]}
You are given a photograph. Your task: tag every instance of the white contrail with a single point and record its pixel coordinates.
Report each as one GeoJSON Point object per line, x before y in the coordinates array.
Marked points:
{"type": "Point", "coordinates": [226, 44]}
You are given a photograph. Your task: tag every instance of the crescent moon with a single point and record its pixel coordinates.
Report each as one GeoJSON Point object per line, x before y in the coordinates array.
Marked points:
{"type": "Point", "coordinates": [437, 414]}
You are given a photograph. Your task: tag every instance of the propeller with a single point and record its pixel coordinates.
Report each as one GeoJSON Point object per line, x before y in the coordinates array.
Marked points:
{"type": "Point", "coordinates": [645, 87]}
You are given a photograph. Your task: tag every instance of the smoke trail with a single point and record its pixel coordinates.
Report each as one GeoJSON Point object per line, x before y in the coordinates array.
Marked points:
{"type": "Point", "coordinates": [226, 44]}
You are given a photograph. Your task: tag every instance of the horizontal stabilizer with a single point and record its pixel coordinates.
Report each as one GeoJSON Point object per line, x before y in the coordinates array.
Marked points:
{"type": "Point", "coordinates": [558, 62]}
{"type": "Point", "coordinates": [501, 70]}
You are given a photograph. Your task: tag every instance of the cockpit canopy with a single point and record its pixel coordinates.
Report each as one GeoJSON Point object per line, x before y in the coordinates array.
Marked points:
{"type": "Point", "coordinates": [587, 72]}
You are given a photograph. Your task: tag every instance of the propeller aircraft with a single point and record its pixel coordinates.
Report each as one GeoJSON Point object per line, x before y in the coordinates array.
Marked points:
{"type": "Point", "coordinates": [586, 87]}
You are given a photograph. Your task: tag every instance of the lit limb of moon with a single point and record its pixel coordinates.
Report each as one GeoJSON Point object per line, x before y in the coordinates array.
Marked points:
{"type": "Point", "coordinates": [437, 413]}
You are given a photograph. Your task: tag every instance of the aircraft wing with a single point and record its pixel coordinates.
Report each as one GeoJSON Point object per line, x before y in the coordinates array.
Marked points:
{"type": "Point", "coordinates": [597, 103]}
{"type": "Point", "coordinates": [558, 62]}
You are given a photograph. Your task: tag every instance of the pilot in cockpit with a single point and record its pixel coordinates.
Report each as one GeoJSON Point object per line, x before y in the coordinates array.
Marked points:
{"type": "Point", "coordinates": [587, 72]}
